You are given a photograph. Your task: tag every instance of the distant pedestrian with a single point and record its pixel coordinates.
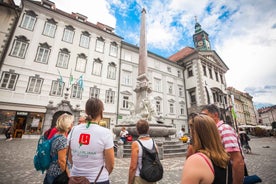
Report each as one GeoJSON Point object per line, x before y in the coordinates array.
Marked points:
{"type": "Point", "coordinates": [244, 140]}
{"type": "Point", "coordinates": [9, 131]}
{"type": "Point", "coordinates": [123, 135]}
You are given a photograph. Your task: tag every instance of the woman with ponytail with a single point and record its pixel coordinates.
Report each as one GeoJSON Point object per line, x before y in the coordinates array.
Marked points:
{"type": "Point", "coordinates": [91, 146]}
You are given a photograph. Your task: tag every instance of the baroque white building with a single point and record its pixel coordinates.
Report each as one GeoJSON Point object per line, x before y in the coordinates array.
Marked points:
{"type": "Point", "coordinates": [52, 53]}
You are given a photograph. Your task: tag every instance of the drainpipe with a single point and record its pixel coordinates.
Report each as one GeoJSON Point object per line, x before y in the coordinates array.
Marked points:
{"type": "Point", "coordinates": [119, 85]}
{"type": "Point", "coordinates": [185, 94]}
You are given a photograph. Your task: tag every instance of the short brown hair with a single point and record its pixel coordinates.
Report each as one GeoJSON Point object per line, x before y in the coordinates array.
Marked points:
{"type": "Point", "coordinates": [142, 126]}
{"type": "Point", "coordinates": [93, 108]}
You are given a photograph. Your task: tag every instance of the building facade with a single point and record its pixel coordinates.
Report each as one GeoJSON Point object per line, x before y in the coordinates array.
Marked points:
{"type": "Point", "coordinates": [53, 54]}
{"type": "Point", "coordinates": [204, 74]}
{"type": "Point", "coordinates": [267, 115]}
{"type": "Point", "coordinates": [244, 107]}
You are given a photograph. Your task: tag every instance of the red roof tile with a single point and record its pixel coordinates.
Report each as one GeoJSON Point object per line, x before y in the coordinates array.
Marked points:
{"type": "Point", "coordinates": [181, 54]}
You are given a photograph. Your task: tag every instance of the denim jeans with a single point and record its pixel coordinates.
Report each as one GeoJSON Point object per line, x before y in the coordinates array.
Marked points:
{"type": "Point", "coordinates": [48, 179]}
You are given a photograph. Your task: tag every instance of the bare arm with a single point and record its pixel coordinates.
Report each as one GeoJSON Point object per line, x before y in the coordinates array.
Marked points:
{"type": "Point", "coordinates": [62, 160]}
{"type": "Point", "coordinates": [237, 167]}
{"type": "Point", "coordinates": [109, 159]}
{"type": "Point", "coordinates": [133, 162]}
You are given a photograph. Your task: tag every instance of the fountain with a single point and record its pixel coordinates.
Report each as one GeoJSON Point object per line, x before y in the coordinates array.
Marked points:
{"type": "Point", "coordinates": [144, 108]}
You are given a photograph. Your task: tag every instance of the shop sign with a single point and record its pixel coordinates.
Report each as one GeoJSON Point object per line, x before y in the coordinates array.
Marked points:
{"type": "Point", "coordinates": [22, 113]}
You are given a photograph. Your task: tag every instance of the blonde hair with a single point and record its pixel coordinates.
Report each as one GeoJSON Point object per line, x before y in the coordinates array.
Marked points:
{"type": "Point", "coordinates": [64, 122]}
{"type": "Point", "coordinates": [207, 140]}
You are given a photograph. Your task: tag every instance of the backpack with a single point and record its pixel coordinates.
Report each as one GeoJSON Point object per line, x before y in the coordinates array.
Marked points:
{"type": "Point", "coordinates": [152, 169]}
{"type": "Point", "coordinates": [47, 133]}
{"type": "Point", "coordinates": [42, 158]}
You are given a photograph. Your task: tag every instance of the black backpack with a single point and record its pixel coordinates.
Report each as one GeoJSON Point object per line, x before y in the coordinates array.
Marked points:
{"type": "Point", "coordinates": [152, 169]}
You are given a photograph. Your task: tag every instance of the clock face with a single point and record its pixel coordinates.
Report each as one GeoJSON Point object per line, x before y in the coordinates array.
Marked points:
{"type": "Point", "coordinates": [200, 43]}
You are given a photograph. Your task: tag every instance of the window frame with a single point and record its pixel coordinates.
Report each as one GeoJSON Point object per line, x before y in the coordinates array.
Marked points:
{"type": "Point", "coordinates": [99, 47]}
{"type": "Point", "coordinates": [84, 42]}
{"type": "Point", "coordinates": [68, 34]}
{"type": "Point", "coordinates": [76, 91]}
{"type": "Point", "coordinates": [9, 80]}
{"type": "Point", "coordinates": [32, 20]}
{"type": "Point", "coordinates": [127, 78]}
{"type": "Point", "coordinates": [94, 92]}
{"type": "Point", "coordinates": [97, 67]}
{"type": "Point", "coordinates": [33, 85]}
{"type": "Point", "coordinates": [109, 96]}
{"type": "Point", "coordinates": [113, 50]}
{"type": "Point", "coordinates": [56, 88]}
{"type": "Point", "coordinates": [125, 103]}
{"type": "Point", "coordinates": [81, 63]}
{"type": "Point", "coordinates": [43, 56]}
{"type": "Point", "coordinates": [111, 71]}
{"type": "Point", "coordinates": [52, 29]}
{"type": "Point", "coordinates": [19, 39]}
{"type": "Point", "coordinates": [63, 63]}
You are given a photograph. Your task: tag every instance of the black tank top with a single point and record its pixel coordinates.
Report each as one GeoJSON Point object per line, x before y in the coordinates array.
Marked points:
{"type": "Point", "coordinates": [220, 174]}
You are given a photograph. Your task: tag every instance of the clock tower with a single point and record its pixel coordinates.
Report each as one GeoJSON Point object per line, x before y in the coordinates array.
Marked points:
{"type": "Point", "coordinates": [201, 39]}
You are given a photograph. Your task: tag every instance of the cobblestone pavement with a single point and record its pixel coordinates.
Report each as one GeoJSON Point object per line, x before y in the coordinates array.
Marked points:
{"type": "Point", "coordinates": [16, 163]}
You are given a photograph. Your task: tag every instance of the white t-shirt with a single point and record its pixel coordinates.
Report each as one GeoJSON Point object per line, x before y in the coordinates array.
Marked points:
{"type": "Point", "coordinates": [180, 134]}
{"type": "Point", "coordinates": [123, 133]}
{"type": "Point", "coordinates": [87, 148]}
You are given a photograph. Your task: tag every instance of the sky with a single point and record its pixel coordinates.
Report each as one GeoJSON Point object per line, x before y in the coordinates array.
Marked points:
{"type": "Point", "coordinates": [242, 32]}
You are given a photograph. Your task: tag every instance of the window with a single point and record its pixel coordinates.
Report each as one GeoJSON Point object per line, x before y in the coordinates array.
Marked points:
{"type": "Point", "coordinates": [170, 88]}
{"type": "Point", "coordinates": [192, 96]}
{"type": "Point", "coordinates": [182, 109]}
{"type": "Point", "coordinates": [100, 44]}
{"type": "Point", "coordinates": [109, 96]}
{"type": "Point", "coordinates": [76, 91]}
{"type": "Point", "coordinates": [158, 106]}
{"type": "Point", "coordinates": [8, 80]}
{"type": "Point", "coordinates": [19, 47]}
{"type": "Point", "coordinates": [63, 58]}
{"type": "Point", "coordinates": [35, 84]}
{"type": "Point", "coordinates": [81, 63]}
{"type": "Point", "coordinates": [43, 53]}
{"type": "Point", "coordinates": [68, 34]}
{"type": "Point", "coordinates": [113, 49]}
{"type": "Point", "coordinates": [204, 70]}
{"type": "Point", "coordinates": [157, 85]}
{"type": "Point", "coordinates": [28, 20]}
{"type": "Point", "coordinates": [169, 69]}
{"type": "Point", "coordinates": [216, 74]}
{"type": "Point", "coordinates": [125, 102]}
{"type": "Point", "coordinates": [94, 92]}
{"type": "Point", "coordinates": [111, 71]}
{"type": "Point", "coordinates": [190, 71]}
{"type": "Point", "coordinates": [50, 28]}
{"type": "Point", "coordinates": [85, 39]}
{"type": "Point", "coordinates": [180, 90]}
{"type": "Point", "coordinates": [171, 106]}
{"type": "Point", "coordinates": [210, 72]}
{"type": "Point", "coordinates": [221, 78]}
{"type": "Point", "coordinates": [57, 88]}
{"type": "Point", "coordinates": [97, 67]}
{"type": "Point", "coordinates": [179, 74]}
{"type": "Point", "coordinates": [126, 78]}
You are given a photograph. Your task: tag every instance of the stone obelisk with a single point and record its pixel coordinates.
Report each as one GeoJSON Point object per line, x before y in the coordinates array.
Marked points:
{"type": "Point", "coordinates": [142, 89]}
